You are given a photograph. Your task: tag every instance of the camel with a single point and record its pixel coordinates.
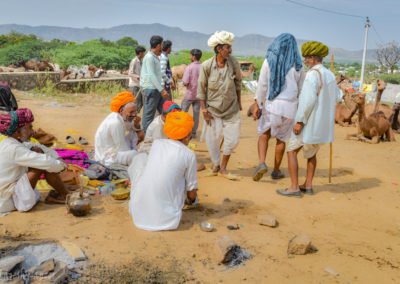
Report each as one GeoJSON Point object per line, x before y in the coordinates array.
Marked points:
{"type": "Point", "coordinates": [343, 114]}
{"type": "Point", "coordinates": [177, 73]}
{"type": "Point", "coordinates": [377, 106]}
{"type": "Point", "coordinates": [375, 126]}
{"type": "Point", "coordinates": [396, 118]}
{"type": "Point", "coordinates": [28, 65]}
{"type": "Point", "coordinates": [65, 74]}
{"type": "Point", "coordinates": [1, 70]}
{"type": "Point", "coordinates": [45, 66]}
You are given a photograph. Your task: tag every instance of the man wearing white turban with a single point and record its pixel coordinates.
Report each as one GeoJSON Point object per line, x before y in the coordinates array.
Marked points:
{"type": "Point", "coordinates": [219, 90]}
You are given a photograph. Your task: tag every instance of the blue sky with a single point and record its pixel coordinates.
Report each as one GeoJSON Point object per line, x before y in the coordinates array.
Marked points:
{"type": "Point", "coordinates": [268, 17]}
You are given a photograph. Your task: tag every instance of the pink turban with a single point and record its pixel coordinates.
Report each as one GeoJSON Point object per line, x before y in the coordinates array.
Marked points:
{"type": "Point", "coordinates": [9, 123]}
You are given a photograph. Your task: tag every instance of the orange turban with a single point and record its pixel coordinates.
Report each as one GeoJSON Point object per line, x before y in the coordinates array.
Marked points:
{"type": "Point", "coordinates": [120, 100]}
{"type": "Point", "coordinates": [178, 125]}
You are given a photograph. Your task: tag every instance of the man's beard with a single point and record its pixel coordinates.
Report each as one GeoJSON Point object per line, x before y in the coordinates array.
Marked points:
{"type": "Point", "coordinates": [129, 125]}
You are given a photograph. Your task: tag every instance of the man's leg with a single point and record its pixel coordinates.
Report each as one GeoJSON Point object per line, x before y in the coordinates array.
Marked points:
{"type": "Point", "coordinates": [185, 105]}
{"type": "Point", "coordinates": [311, 166]}
{"type": "Point", "coordinates": [212, 143]}
{"type": "Point", "coordinates": [52, 179]}
{"type": "Point", "coordinates": [138, 98]}
{"type": "Point", "coordinates": [293, 170]}
{"type": "Point", "coordinates": [196, 115]}
{"type": "Point", "coordinates": [150, 106]}
{"type": "Point", "coordinates": [263, 140]}
{"type": "Point", "coordinates": [279, 151]}
{"type": "Point", "coordinates": [231, 131]}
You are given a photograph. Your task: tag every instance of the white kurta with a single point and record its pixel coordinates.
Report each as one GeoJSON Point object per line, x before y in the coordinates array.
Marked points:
{"type": "Point", "coordinates": [154, 131]}
{"type": "Point", "coordinates": [14, 163]}
{"type": "Point", "coordinates": [113, 140]}
{"type": "Point", "coordinates": [318, 112]}
{"type": "Point", "coordinates": [157, 201]}
{"type": "Point", "coordinates": [278, 115]}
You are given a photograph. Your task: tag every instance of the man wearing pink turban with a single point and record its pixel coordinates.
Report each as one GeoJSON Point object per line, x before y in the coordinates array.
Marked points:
{"type": "Point", "coordinates": [21, 168]}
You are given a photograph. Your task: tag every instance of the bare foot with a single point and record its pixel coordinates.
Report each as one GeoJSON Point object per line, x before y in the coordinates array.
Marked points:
{"type": "Point", "coordinates": [223, 171]}
{"type": "Point", "coordinates": [216, 169]}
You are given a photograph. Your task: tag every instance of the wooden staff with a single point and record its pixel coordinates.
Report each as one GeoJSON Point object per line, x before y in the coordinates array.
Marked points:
{"type": "Point", "coordinates": [330, 144]}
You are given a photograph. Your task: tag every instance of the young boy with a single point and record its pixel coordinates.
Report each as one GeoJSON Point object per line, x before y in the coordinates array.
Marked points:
{"type": "Point", "coordinates": [190, 77]}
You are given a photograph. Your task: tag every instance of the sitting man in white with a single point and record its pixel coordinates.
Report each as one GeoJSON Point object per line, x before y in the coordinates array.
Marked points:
{"type": "Point", "coordinates": [156, 127]}
{"type": "Point", "coordinates": [168, 179]}
{"type": "Point", "coordinates": [117, 138]}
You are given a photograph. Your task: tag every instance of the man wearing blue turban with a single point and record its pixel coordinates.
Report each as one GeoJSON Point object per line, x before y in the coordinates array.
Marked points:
{"type": "Point", "coordinates": [279, 85]}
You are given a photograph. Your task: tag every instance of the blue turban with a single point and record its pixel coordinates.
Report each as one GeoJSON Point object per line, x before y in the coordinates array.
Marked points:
{"type": "Point", "coordinates": [282, 55]}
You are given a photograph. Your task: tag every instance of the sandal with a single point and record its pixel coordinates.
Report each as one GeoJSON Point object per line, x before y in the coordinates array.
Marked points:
{"type": "Point", "coordinates": [53, 200]}
{"type": "Point", "coordinates": [277, 175]}
{"type": "Point", "coordinates": [260, 171]}
{"type": "Point", "coordinates": [211, 174]}
{"type": "Point", "coordinates": [70, 140]}
{"type": "Point", "coordinates": [308, 191]}
{"type": "Point", "coordinates": [229, 176]}
{"type": "Point", "coordinates": [83, 141]}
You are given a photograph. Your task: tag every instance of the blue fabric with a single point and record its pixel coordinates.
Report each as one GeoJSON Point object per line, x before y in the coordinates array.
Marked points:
{"type": "Point", "coordinates": [13, 125]}
{"type": "Point", "coordinates": [282, 55]}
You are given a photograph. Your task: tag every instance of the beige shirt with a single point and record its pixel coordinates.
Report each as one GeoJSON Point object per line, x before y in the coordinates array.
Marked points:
{"type": "Point", "coordinates": [134, 72]}
{"type": "Point", "coordinates": [219, 89]}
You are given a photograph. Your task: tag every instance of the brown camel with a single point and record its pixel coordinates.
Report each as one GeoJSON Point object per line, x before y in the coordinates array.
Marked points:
{"type": "Point", "coordinates": [45, 66]}
{"type": "Point", "coordinates": [374, 126]}
{"type": "Point", "coordinates": [177, 73]}
{"type": "Point", "coordinates": [343, 114]}
{"type": "Point", "coordinates": [396, 118]}
{"type": "Point", "coordinates": [28, 65]}
{"type": "Point", "coordinates": [377, 106]}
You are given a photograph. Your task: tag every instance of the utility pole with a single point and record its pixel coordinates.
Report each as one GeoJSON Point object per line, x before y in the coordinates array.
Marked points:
{"type": "Point", "coordinates": [367, 25]}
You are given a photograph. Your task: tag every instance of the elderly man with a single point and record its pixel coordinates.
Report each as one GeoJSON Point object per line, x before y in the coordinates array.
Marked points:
{"type": "Point", "coordinates": [156, 203]}
{"type": "Point", "coordinates": [117, 138]}
{"type": "Point", "coordinates": [315, 117]}
{"type": "Point", "coordinates": [151, 82]}
{"type": "Point", "coordinates": [219, 89]}
{"type": "Point", "coordinates": [21, 168]}
{"type": "Point", "coordinates": [279, 84]}
{"type": "Point", "coordinates": [166, 73]}
{"type": "Point", "coordinates": [134, 76]}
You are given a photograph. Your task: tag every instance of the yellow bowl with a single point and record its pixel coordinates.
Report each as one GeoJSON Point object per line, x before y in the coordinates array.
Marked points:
{"type": "Point", "coordinates": [121, 193]}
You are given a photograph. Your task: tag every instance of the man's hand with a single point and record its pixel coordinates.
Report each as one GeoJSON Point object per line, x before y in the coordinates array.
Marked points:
{"type": "Point", "coordinates": [136, 122]}
{"type": "Point", "coordinates": [165, 94]}
{"type": "Point", "coordinates": [37, 150]}
{"type": "Point", "coordinates": [240, 106]}
{"type": "Point", "coordinates": [297, 128]}
{"type": "Point", "coordinates": [256, 111]}
{"type": "Point", "coordinates": [208, 117]}
{"type": "Point", "coordinates": [173, 87]}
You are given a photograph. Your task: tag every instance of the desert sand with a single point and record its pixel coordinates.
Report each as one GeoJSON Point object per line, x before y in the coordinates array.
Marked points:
{"type": "Point", "coordinates": [354, 221]}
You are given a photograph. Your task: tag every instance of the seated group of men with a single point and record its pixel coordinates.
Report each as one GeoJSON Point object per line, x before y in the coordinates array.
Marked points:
{"type": "Point", "coordinates": [156, 203]}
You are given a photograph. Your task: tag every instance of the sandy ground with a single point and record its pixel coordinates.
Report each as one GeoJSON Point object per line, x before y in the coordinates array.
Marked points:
{"type": "Point", "coordinates": [354, 222]}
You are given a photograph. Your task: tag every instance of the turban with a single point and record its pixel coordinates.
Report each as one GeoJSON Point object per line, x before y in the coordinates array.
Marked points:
{"type": "Point", "coordinates": [120, 100]}
{"type": "Point", "coordinates": [9, 123]}
{"type": "Point", "coordinates": [314, 48]}
{"type": "Point", "coordinates": [221, 37]}
{"type": "Point", "coordinates": [170, 106]}
{"type": "Point", "coordinates": [178, 125]}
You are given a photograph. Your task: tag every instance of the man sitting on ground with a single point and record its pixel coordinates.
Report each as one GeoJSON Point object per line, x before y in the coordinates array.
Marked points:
{"type": "Point", "coordinates": [21, 168]}
{"type": "Point", "coordinates": [156, 203]}
{"type": "Point", "coordinates": [118, 136]}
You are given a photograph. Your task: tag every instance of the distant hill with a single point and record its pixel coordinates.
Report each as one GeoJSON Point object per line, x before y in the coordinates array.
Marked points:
{"type": "Point", "coordinates": [252, 44]}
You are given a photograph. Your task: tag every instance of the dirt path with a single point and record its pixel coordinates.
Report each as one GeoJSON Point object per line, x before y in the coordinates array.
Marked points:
{"type": "Point", "coordinates": [354, 222]}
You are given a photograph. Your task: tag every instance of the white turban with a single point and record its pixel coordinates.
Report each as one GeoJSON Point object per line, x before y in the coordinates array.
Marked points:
{"type": "Point", "coordinates": [222, 37]}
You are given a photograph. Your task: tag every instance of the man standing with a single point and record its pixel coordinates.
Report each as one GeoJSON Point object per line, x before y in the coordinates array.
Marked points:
{"type": "Point", "coordinates": [118, 135]}
{"type": "Point", "coordinates": [134, 76]}
{"type": "Point", "coordinates": [169, 177]}
{"type": "Point", "coordinates": [315, 117]}
{"type": "Point", "coordinates": [190, 80]}
{"type": "Point", "coordinates": [219, 90]}
{"type": "Point", "coordinates": [279, 84]}
{"type": "Point", "coordinates": [150, 82]}
{"type": "Point", "coordinates": [166, 73]}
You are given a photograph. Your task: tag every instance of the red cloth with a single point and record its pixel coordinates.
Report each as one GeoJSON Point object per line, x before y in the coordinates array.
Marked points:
{"type": "Point", "coordinates": [171, 106]}
{"type": "Point", "coordinates": [25, 116]}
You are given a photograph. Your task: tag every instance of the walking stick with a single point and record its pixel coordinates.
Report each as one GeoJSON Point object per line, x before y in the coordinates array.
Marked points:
{"type": "Point", "coordinates": [330, 144]}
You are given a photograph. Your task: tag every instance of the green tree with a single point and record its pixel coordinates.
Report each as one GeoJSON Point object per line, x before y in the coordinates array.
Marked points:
{"type": "Point", "coordinates": [127, 41]}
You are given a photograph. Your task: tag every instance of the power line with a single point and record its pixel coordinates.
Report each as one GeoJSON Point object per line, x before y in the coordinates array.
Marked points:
{"type": "Point", "coordinates": [325, 10]}
{"type": "Point", "coordinates": [379, 36]}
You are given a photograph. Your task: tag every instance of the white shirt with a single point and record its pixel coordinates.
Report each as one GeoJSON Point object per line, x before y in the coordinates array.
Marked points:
{"type": "Point", "coordinates": [286, 103]}
{"type": "Point", "coordinates": [160, 194]}
{"type": "Point", "coordinates": [14, 163]}
{"type": "Point", "coordinates": [154, 131]}
{"type": "Point", "coordinates": [318, 112]}
{"type": "Point", "coordinates": [112, 137]}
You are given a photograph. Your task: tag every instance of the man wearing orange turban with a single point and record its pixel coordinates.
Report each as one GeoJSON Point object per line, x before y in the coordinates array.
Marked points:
{"type": "Point", "coordinates": [117, 137]}
{"type": "Point", "coordinates": [156, 203]}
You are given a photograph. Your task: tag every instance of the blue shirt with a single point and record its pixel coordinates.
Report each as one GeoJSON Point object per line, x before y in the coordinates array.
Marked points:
{"type": "Point", "coordinates": [150, 76]}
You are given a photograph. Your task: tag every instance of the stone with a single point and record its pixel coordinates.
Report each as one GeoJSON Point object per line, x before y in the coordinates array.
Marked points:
{"type": "Point", "coordinates": [43, 269]}
{"type": "Point", "coordinates": [75, 252]}
{"type": "Point", "coordinates": [9, 263]}
{"type": "Point", "coordinates": [267, 220]}
{"type": "Point", "coordinates": [226, 199]}
{"type": "Point", "coordinates": [60, 274]}
{"type": "Point", "coordinates": [225, 247]}
{"type": "Point", "coordinates": [300, 244]}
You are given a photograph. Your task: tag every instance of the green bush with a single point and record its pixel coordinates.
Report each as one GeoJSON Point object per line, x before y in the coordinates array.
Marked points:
{"type": "Point", "coordinates": [391, 78]}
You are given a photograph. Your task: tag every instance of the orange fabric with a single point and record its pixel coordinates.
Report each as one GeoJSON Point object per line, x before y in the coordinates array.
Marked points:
{"type": "Point", "coordinates": [178, 125]}
{"type": "Point", "coordinates": [121, 99]}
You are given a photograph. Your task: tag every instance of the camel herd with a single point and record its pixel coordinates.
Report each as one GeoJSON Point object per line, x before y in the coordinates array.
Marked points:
{"type": "Point", "coordinates": [376, 121]}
